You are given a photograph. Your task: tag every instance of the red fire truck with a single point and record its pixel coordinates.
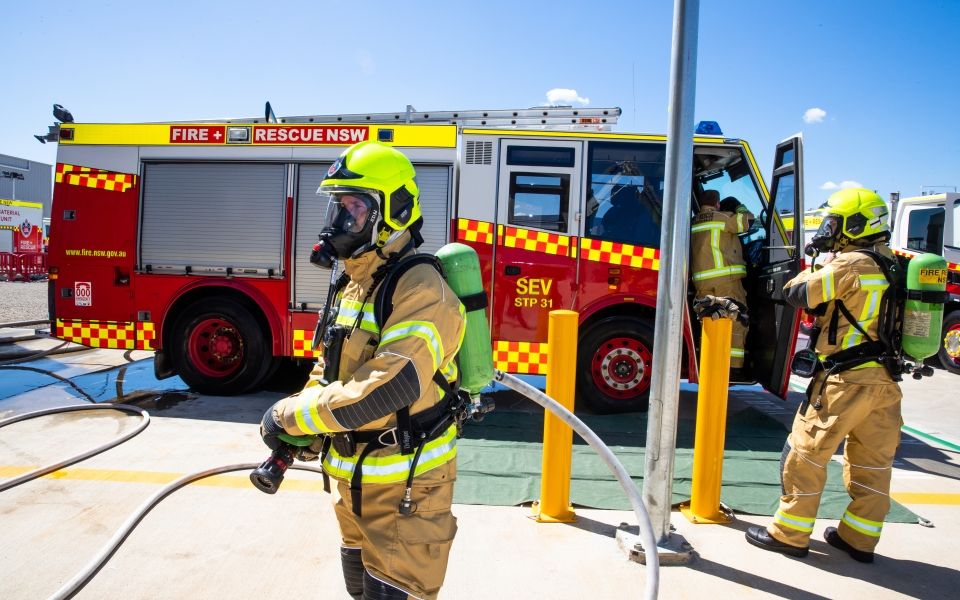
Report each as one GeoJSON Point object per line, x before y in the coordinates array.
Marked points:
{"type": "Point", "coordinates": [192, 238]}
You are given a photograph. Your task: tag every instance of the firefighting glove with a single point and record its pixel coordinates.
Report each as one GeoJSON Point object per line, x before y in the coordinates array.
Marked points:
{"type": "Point", "coordinates": [271, 429]}
{"type": "Point", "coordinates": [716, 307]}
{"type": "Point", "coordinates": [307, 447]}
{"type": "Point", "coordinates": [274, 436]}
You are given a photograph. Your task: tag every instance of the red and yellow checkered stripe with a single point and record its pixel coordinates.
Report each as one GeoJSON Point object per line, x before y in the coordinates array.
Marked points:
{"type": "Point", "coordinates": [98, 334]}
{"type": "Point", "coordinates": [94, 178]}
{"type": "Point", "coordinates": [537, 241]}
{"type": "Point", "coordinates": [950, 266]}
{"type": "Point", "coordinates": [146, 334]}
{"type": "Point", "coordinates": [520, 357]}
{"type": "Point", "coordinates": [615, 253]}
{"type": "Point", "coordinates": [302, 342]}
{"type": "Point", "coordinates": [469, 230]}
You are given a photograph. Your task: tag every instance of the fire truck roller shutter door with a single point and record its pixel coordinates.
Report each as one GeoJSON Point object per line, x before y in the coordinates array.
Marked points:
{"type": "Point", "coordinates": [219, 345]}
{"type": "Point", "coordinates": [613, 364]}
{"type": "Point", "coordinates": [215, 215]}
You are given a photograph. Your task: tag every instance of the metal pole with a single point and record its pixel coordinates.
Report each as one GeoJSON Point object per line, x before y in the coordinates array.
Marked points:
{"type": "Point", "coordinates": [672, 282]}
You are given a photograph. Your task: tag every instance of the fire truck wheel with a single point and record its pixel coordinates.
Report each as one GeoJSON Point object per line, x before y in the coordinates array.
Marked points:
{"type": "Point", "coordinates": [949, 353]}
{"type": "Point", "coordinates": [613, 365]}
{"type": "Point", "coordinates": [220, 347]}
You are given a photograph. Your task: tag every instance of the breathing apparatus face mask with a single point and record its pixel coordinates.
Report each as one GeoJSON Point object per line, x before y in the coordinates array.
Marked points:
{"type": "Point", "coordinates": [349, 224]}
{"type": "Point", "coordinates": [826, 237]}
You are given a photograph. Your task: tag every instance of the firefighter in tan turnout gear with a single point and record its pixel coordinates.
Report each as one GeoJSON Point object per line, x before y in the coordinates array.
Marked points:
{"type": "Point", "coordinates": [852, 397]}
{"type": "Point", "coordinates": [383, 417]}
{"type": "Point", "coordinates": [717, 260]}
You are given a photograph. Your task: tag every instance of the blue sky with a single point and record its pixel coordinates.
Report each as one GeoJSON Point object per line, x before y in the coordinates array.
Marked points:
{"type": "Point", "coordinates": [878, 80]}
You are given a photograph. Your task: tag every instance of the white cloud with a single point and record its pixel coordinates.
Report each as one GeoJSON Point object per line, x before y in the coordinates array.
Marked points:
{"type": "Point", "coordinates": [846, 183]}
{"type": "Point", "coordinates": [814, 115]}
{"type": "Point", "coordinates": [366, 63]}
{"type": "Point", "coordinates": [558, 96]}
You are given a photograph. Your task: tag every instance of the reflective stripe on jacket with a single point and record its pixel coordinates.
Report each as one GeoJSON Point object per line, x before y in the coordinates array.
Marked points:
{"type": "Point", "coordinates": [393, 467]}
{"type": "Point", "coordinates": [716, 250]}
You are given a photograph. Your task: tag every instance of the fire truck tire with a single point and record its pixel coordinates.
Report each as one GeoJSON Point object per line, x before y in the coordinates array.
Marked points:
{"type": "Point", "coordinates": [949, 352]}
{"type": "Point", "coordinates": [613, 365]}
{"type": "Point", "coordinates": [220, 348]}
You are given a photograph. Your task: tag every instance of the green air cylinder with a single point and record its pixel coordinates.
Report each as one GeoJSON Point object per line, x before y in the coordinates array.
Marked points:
{"type": "Point", "coordinates": [462, 268]}
{"type": "Point", "coordinates": [923, 319]}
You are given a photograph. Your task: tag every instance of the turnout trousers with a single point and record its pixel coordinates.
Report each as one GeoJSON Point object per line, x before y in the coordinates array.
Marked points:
{"type": "Point", "coordinates": [408, 552]}
{"type": "Point", "coordinates": [729, 288]}
{"type": "Point", "coordinates": [867, 416]}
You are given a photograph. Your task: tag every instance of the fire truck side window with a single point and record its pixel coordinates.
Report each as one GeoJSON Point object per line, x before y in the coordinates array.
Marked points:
{"type": "Point", "coordinates": [536, 156]}
{"type": "Point", "coordinates": [539, 200]}
{"type": "Point", "coordinates": [625, 197]}
{"type": "Point", "coordinates": [925, 230]}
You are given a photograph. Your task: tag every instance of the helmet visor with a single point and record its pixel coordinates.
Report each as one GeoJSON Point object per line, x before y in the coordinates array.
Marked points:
{"type": "Point", "coordinates": [348, 211]}
{"type": "Point", "coordinates": [826, 237]}
{"type": "Point", "coordinates": [830, 227]}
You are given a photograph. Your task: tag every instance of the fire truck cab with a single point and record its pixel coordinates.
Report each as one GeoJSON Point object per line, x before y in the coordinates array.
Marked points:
{"type": "Point", "coordinates": [193, 239]}
{"type": "Point", "coordinates": [932, 224]}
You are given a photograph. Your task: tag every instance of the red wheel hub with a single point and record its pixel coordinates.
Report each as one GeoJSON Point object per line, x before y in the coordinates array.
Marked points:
{"type": "Point", "coordinates": [621, 367]}
{"type": "Point", "coordinates": [215, 347]}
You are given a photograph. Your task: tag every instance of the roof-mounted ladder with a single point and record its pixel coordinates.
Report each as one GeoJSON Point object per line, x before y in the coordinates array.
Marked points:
{"type": "Point", "coordinates": [546, 117]}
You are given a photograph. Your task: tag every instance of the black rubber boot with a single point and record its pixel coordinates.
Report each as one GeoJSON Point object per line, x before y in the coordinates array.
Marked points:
{"type": "Point", "coordinates": [759, 537]}
{"type": "Point", "coordinates": [833, 538]}
{"type": "Point", "coordinates": [353, 571]}
{"type": "Point", "coordinates": [374, 589]}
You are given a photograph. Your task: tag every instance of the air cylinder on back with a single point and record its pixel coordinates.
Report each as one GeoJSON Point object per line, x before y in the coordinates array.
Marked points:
{"type": "Point", "coordinates": [462, 268]}
{"type": "Point", "coordinates": [923, 310]}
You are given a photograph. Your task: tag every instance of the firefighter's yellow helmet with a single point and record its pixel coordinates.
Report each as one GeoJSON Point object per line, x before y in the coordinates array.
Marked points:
{"type": "Point", "coordinates": [373, 166]}
{"type": "Point", "coordinates": [854, 213]}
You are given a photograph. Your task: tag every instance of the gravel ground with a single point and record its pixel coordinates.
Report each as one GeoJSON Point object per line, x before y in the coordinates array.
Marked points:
{"type": "Point", "coordinates": [23, 301]}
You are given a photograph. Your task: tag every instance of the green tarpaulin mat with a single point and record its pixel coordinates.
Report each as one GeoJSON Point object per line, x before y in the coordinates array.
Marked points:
{"type": "Point", "coordinates": [499, 463]}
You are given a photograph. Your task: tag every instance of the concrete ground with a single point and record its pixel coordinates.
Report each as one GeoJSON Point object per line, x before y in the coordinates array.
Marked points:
{"type": "Point", "coordinates": [222, 538]}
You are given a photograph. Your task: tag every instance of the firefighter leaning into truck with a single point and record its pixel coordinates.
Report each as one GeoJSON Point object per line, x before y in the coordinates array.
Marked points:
{"type": "Point", "coordinates": [385, 435]}
{"type": "Point", "coordinates": [717, 260]}
{"type": "Point", "coordinates": [852, 397]}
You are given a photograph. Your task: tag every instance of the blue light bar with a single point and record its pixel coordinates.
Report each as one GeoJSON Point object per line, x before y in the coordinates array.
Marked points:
{"type": "Point", "coordinates": [708, 128]}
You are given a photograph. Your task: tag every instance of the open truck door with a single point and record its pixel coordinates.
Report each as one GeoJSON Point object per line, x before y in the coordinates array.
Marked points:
{"type": "Point", "coordinates": [773, 323]}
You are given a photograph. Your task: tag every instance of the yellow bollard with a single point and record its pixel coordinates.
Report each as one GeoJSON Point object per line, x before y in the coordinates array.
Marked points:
{"type": "Point", "coordinates": [554, 505]}
{"type": "Point", "coordinates": [704, 506]}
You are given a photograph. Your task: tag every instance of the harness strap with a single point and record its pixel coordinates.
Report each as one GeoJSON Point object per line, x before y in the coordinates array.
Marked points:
{"type": "Point", "coordinates": [324, 450]}
{"type": "Point", "coordinates": [420, 431]}
{"type": "Point", "coordinates": [404, 430]}
{"type": "Point", "coordinates": [854, 356]}
{"type": "Point", "coordinates": [853, 322]}
{"type": "Point", "coordinates": [356, 491]}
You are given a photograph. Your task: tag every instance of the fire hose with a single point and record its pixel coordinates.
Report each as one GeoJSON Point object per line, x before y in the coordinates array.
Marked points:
{"type": "Point", "coordinates": [76, 583]}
